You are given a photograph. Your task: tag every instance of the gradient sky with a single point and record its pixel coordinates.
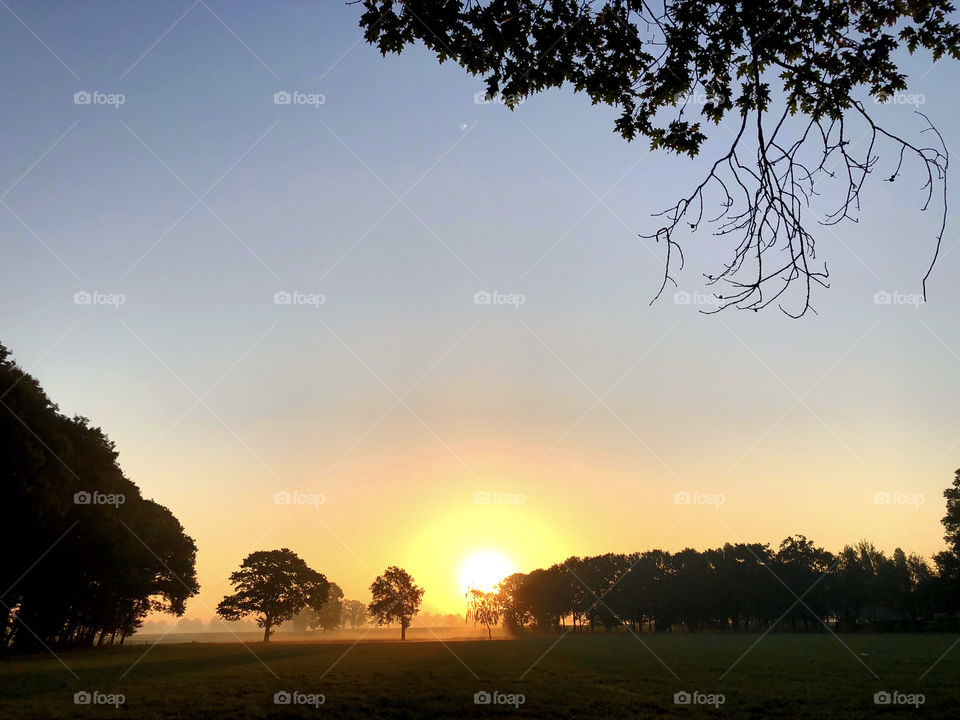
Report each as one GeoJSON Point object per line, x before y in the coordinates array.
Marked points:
{"type": "Point", "coordinates": [399, 399]}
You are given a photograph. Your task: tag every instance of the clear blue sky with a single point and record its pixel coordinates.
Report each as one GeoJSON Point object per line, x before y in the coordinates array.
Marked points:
{"type": "Point", "coordinates": [304, 199]}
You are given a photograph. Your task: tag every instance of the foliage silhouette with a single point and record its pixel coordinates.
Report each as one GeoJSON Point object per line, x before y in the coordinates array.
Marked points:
{"type": "Point", "coordinates": [273, 586]}
{"type": "Point", "coordinates": [396, 598]}
{"type": "Point", "coordinates": [87, 557]}
{"type": "Point", "coordinates": [788, 82]}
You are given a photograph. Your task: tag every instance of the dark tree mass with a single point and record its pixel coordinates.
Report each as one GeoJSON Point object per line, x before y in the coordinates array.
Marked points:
{"type": "Point", "coordinates": [791, 83]}
{"type": "Point", "coordinates": [744, 586]}
{"type": "Point", "coordinates": [86, 557]}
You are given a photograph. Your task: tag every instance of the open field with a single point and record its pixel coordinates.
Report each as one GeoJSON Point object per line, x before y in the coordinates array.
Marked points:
{"type": "Point", "coordinates": [573, 677]}
{"type": "Point", "coordinates": [414, 633]}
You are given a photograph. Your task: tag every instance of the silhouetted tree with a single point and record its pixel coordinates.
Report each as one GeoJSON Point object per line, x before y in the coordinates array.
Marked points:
{"type": "Point", "coordinates": [516, 612]}
{"type": "Point", "coordinates": [484, 609]}
{"type": "Point", "coordinates": [803, 567]}
{"type": "Point", "coordinates": [948, 561]}
{"type": "Point", "coordinates": [110, 556]}
{"type": "Point", "coordinates": [273, 586]}
{"type": "Point", "coordinates": [355, 613]}
{"type": "Point", "coordinates": [329, 616]}
{"type": "Point", "coordinates": [396, 598]}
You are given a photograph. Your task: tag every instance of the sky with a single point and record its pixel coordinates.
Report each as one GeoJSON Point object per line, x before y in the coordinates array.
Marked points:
{"type": "Point", "coordinates": [407, 423]}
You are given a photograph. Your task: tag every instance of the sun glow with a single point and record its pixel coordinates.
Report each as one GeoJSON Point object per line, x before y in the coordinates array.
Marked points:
{"type": "Point", "coordinates": [483, 570]}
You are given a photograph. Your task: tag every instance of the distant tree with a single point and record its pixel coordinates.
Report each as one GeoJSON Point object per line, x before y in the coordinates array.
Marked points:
{"type": "Point", "coordinates": [355, 613]}
{"type": "Point", "coordinates": [792, 82]}
{"type": "Point", "coordinates": [484, 609]}
{"type": "Point", "coordinates": [273, 586]}
{"type": "Point", "coordinates": [329, 616]}
{"type": "Point", "coordinates": [516, 613]}
{"type": "Point", "coordinates": [301, 621]}
{"type": "Point", "coordinates": [549, 593]}
{"type": "Point", "coordinates": [694, 587]}
{"type": "Point", "coordinates": [803, 568]}
{"type": "Point", "coordinates": [948, 561]}
{"type": "Point", "coordinates": [396, 598]}
{"type": "Point", "coordinates": [951, 521]}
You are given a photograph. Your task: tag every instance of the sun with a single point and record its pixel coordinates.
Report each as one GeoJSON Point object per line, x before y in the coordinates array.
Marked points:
{"type": "Point", "coordinates": [483, 570]}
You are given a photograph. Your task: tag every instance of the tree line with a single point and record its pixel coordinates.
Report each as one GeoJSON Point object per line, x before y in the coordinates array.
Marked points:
{"type": "Point", "coordinates": [86, 557]}
{"type": "Point", "coordinates": [738, 587]}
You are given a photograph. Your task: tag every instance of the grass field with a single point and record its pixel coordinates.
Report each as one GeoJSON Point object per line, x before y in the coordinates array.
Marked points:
{"type": "Point", "coordinates": [573, 677]}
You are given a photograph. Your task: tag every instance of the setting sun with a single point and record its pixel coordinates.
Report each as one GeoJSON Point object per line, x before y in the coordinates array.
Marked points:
{"type": "Point", "coordinates": [483, 570]}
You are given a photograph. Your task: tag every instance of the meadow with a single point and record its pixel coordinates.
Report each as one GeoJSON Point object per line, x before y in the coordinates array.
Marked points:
{"type": "Point", "coordinates": [572, 676]}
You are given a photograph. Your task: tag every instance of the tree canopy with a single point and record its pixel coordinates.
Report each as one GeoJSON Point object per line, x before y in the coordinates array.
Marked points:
{"type": "Point", "coordinates": [109, 555]}
{"type": "Point", "coordinates": [948, 561]}
{"type": "Point", "coordinates": [396, 598]}
{"type": "Point", "coordinates": [329, 616]}
{"type": "Point", "coordinates": [484, 609]}
{"type": "Point", "coordinates": [736, 587]}
{"type": "Point", "coordinates": [788, 82]}
{"type": "Point", "coordinates": [273, 586]}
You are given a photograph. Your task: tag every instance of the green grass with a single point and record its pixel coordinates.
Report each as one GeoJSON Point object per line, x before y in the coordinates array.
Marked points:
{"type": "Point", "coordinates": [577, 676]}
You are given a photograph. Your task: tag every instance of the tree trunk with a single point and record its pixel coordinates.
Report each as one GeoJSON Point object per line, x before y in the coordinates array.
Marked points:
{"type": "Point", "coordinates": [489, 634]}
{"type": "Point", "coordinates": [266, 630]}
{"type": "Point", "coordinates": [403, 631]}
